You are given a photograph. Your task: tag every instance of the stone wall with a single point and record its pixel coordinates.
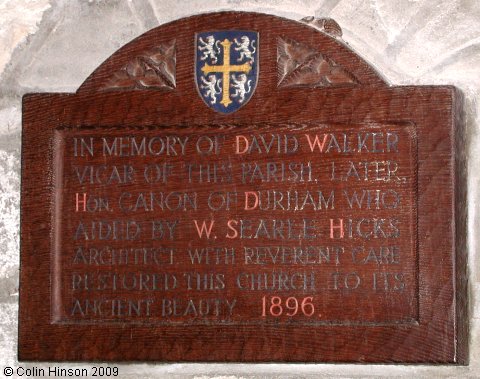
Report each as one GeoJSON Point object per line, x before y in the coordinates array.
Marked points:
{"type": "Point", "coordinates": [53, 45]}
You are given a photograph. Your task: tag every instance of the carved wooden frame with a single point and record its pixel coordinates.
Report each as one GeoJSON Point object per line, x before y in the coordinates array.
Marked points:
{"type": "Point", "coordinates": [440, 334]}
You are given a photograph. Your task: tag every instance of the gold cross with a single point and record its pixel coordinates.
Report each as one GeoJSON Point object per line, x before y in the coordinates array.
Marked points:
{"type": "Point", "coordinates": [225, 69]}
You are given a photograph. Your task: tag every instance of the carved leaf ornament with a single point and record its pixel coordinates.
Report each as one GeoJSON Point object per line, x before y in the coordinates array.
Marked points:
{"type": "Point", "coordinates": [300, 65]}
{"type": "Point", "coordinates": [153, 69]}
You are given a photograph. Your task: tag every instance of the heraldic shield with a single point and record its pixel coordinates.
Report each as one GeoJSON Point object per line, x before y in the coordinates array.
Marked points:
{"type": "Point", "coordinates": [226, 68]}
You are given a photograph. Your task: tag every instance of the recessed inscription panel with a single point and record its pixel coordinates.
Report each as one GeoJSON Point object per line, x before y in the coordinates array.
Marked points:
{"type": "Point", "coordinates": [305, 224]}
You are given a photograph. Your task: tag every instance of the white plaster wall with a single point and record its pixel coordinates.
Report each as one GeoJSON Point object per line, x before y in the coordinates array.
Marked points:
{"type": "Point", "coordinates": [53, 45]}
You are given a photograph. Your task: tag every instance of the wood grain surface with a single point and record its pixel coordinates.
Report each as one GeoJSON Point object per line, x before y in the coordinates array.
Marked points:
{"type": "Point", "coordinates": [309, 83]}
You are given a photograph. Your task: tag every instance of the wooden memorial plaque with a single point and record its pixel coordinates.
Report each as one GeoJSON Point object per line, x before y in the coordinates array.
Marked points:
{"type": "Point", "coordinates": [240, 187]}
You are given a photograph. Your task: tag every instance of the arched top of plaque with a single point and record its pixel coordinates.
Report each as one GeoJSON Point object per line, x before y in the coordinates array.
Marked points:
{"type": "Point", "coordinates": [277, 54]}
